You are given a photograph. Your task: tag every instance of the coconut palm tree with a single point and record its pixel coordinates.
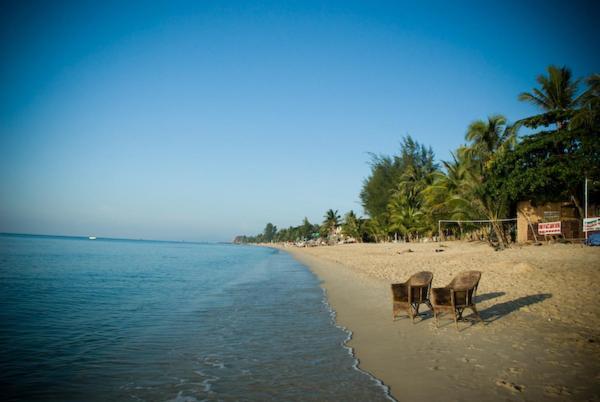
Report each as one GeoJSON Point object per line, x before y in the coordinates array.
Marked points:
{"type": "Point", "coordinates": [488, 137]}
{"type": "Point", "coordinates": [378, 228]}
{"type": "Point", "coordinates": [556, 96]}
{"type": "Point", "coordinates": [332, 221]}
{"type": "Point", "coordinates": [472, 195]}
{"type": "Point", "coordinates": [460, 192]}
{"type": "Point", "coordinates": [439, 197]}
{"type": "Point", "coordinates": [407, 219]}
{"type": "Point", "coordinates": [588, 116]}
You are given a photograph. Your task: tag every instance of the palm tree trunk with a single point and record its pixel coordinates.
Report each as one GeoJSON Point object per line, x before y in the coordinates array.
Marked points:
{"type": "Point", "coordinates": [580, 209]}
{"type": "Point", "coordinates": [502, 242]}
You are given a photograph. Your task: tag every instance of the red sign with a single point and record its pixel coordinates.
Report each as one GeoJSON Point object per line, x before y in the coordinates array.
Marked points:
{"type": "Point", "coordinates": [549, 228]}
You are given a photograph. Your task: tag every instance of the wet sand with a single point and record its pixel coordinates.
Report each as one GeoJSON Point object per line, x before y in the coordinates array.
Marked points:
{"type": "Point", "coordinates": [540, 339]}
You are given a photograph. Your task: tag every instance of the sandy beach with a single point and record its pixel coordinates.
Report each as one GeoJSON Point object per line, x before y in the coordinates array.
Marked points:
{"type": "Point", "coordinates": [540, 336]}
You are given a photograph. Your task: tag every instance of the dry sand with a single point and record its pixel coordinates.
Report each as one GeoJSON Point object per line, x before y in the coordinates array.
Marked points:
{"type": "Point", "coordinates": [540, 339]}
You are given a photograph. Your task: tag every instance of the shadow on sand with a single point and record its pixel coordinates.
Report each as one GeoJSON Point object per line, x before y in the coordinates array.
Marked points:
{"type": "Point", "coordinates": [491, 313]}
{"type": "Point", "coordinates": [500, 310]}
{"type": "Point", "coordinates": [488, 296]}
{"type": "Point", "coordinates": [428, 314]}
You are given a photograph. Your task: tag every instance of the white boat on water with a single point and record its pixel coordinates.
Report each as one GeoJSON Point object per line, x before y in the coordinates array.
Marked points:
{"type": "Point", "coordinates": [92, 237]}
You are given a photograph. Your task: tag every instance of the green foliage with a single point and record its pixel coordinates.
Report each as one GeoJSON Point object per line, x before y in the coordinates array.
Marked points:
{"type": "Point", "coordinates": [547, 166]}
{"type": "Point", "coordinates": [306, 230]}
{"type": "Point", "coordinates": [588, 116]}
{"type": "Point", "coordinates": [556, 96]}
{"type": "Point", "coordinates": [377, 229]}
{"type": "Point", "coordinates": [460, 192]}
{"type": "Point", "coordinates": [378, 187]}
{"type": "Point", "coordinates": [446, 197]}
{"type": "Point", "coordinates": [407, 219]}
{"type": "Point", "coordinates": [395, 184]}
{"type": "Point", "coordinates": [269, 232]}
{"type": "Point", "coordinates": [557, 90]}
{"type": "Point", "coordinates": [488, 137]}
{"type": "Point", "coordinates": [547, 119]}
{"type": "Point", "coordinates": [352, 226]}
{"type": "Point", "coordinates": [552, 165]}
{"type": "Point", "coordinates": [331, 222]}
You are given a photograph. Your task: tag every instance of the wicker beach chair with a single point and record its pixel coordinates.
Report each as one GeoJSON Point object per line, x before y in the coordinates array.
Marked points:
{"type": "Point", "coordinates": [457, 296]}
{"type": "Point", "coordinates": [408, 296]}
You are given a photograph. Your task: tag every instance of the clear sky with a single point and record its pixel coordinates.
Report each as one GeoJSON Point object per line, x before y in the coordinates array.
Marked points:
{"type": "Point", "coordinates": [204, 119]}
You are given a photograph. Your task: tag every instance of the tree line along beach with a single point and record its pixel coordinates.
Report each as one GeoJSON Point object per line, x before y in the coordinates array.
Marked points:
{"type": "Point", "coordinates": [543, 167]}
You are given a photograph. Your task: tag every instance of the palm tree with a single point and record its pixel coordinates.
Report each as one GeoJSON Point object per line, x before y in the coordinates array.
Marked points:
{"type": "Point", "coordinates": [488, 137]}
{"type": "Point", "coordinates": [378, 228]}
{"type": "Point", "coordinates": [472, 195]}
{"type": "Point", "coordinates": [332, 221]}
{"type": "Point", "coordinates": [556, 95]}
{"type": "Point", "coordinates": [440, 197]}
{"type": "Point", "coordinates": [460, 192]}
{"type": "Point", "coordinates": [588, 116]}
{"type": "Point", "coordinates": [407, 219]}
{"type": "Point", "coordinates": [406, 202]}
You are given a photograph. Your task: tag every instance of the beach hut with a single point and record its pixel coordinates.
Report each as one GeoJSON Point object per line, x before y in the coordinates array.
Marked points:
{"type": "Point", "coordinates": [552, 219]}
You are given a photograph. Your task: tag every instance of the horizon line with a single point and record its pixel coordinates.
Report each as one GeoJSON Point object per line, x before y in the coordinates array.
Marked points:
{"type": "Point", "coordinates": [111, 238]}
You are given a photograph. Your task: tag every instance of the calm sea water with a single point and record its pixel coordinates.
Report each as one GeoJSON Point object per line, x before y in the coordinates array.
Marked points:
{"type": "Point", "coordinates": [110, 320]}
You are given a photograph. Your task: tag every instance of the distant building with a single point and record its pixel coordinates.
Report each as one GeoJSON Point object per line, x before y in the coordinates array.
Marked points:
{"type": "Point", "coordinates": [530, 215]}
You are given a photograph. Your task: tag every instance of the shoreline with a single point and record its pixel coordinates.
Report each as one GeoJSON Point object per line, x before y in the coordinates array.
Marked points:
{"type": "Point", "coordinates": [351, 351]}
{"type": "Point", "coordinates": [520, 355]}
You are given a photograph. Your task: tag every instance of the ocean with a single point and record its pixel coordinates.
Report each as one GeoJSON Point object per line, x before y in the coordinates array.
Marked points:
{"type": "Point", "coordinates": [121, 320]}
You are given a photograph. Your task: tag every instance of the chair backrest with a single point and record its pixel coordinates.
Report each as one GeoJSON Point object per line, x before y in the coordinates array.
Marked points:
{"type": "Point", "coordinates": [465, 286]}
{"type": "Point", "coordinates": [420, 285]}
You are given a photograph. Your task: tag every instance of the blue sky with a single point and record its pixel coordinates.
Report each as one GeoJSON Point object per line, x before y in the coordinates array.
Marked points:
{"type": "Point", "coordinates": [201, 120]}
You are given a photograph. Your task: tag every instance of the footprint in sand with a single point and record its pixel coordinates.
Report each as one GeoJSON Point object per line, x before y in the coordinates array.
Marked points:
{"type": "Point", "coordinates": [510, 386]}
{"type": "Point", "coordinates": [557, 390]}
{"type": "Point", "coordinates": [436, 368]}
{"type": "Point", "coordinates": [515, 370]}
{"type": "Point", "coordinates": [502, 356]}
